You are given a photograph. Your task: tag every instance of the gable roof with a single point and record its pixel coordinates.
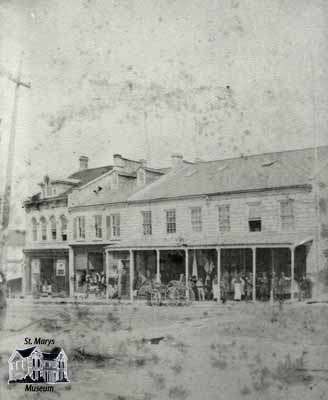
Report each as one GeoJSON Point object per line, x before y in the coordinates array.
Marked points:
{"type": "Point", "coordinates": [52, 355]}
{"type": "Point", "coordinates": [255, 172]}
{"type": "Point", "coordinates": [82, 177]}
{"type": "Point", "coordinates": [26, 352]}
{"type": "Point", "coordinates": [87, 175]}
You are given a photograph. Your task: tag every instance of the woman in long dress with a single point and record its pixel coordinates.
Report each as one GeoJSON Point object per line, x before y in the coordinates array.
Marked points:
{"type": "Point", "coordinates": [237, 288]}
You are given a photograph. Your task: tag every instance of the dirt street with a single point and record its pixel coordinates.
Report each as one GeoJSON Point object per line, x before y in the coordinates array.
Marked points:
{"type": "Point", "coordinates": [208, 351]}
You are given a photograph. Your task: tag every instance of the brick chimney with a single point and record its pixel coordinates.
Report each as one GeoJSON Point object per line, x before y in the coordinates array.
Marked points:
{"type": "Point", "coordinates": [143, 162]}
{"type": "Point", "coordinates": [176, 160]}
{"type": "Point", "coordinates": [83, 162]}
{"type": "Point", "coordinates": [118, 161]}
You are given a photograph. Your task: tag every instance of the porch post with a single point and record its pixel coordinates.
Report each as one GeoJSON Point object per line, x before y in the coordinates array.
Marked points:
{"type": "Point", "coordinates": [158, 260]}
{"type": "Point", "coordinates": [187, 273]}
{"type": "Point", "coordinates": [71, 271]}
{"type": "Point", "coordinates": [254, 273]}
{"type": "Point", "coordinates": [272, 275]}
{"type": "Point", "coordinates": [107, 272]}
{"type": "Point", "coordinates": [292, 266]}
{"type": "Point", "coordinates": [24, 274]}
{"type": "Point", "coordinates": [131, 273]}
{"type": "Point", "coordinates": [218, 250]}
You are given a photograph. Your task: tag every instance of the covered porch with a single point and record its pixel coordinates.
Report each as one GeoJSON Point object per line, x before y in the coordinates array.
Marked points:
{"type": "Point", "coordinates": [212, 268]}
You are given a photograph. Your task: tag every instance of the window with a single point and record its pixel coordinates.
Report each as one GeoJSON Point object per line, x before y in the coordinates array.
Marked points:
{"type": "Point", "coordinates": [287, 215]}
{"type": "Point", "coordinates": [113, 225]}
{"type": "Point", "coordinates": [79, 227]}
{"type": "Point", "coordinates": [224, 218]}
{"type": "Point", "coordinates": [196, 219]}
{"type": "Point", "coordinates": [53, 228]}
{"type": "Point", "coordinates": [146, 222]}
{"type": "Point", "coordinates": [34, 230]}
{"type": "Point", "coordinates": [63, 227]}
{"type": "Point", "coordinates": [254, 218]}
{"type": "Point", "coordinates": [171, 221]}
{"type": "Point", "coordinates": [43, 222]}
{"type": "Point", "coordinates": [98, 226]}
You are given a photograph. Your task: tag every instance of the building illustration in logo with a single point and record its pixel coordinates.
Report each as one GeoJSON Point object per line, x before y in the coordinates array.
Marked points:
{"type": "Point", "coordinates": [31, 365]}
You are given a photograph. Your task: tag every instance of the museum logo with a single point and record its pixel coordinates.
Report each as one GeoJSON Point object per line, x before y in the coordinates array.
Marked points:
{"type": "Point", "coordinates": [34, 367]}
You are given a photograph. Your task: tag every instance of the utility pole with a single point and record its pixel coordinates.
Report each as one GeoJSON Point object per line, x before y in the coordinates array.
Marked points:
{"type": "Point", "coordinates": [6, 199]}
{"type": "Point", "coordinates": [316, 186]}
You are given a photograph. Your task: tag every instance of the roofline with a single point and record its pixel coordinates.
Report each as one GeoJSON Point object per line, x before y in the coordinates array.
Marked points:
{"type": "Point", "coordinates": [95, 179]}
{"type": "Point", "coordinates": [262, 154]}
{"type": "Point", "coordinates": [189, 196]}
{"type": "Point", "coordinates": [45, 200]}
{"type": "Point", "coordinates": [192, 196]}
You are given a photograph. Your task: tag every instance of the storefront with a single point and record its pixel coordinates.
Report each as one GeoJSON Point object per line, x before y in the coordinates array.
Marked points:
{"type": "Point", "coordinates": [89, 270]}
{"type": "Point", "coordinates": [210, 271]}
{"type": "Point", "coordinates": [46, 273]}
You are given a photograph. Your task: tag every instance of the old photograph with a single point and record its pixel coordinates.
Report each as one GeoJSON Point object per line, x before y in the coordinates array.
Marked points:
{"type": "Point", "coordinates": [163, 199]}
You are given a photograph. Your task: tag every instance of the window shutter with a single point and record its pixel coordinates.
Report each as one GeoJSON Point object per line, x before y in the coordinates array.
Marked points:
{"type": "Point", "coordinates": [108, 227]}
{"type": "Point", "coordinates": [75, 228]}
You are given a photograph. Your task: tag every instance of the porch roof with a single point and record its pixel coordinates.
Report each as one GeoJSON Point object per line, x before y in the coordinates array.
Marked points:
{"type": "Point", "coordinates": [240, 242]}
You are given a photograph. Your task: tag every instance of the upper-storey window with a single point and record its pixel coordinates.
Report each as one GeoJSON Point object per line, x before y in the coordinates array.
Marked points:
{"type": "Point", "coordinates": [113, 225]}
{"type": "Point", "coordinates": [196, 219]}
{"type": "Point", "coordinates": [43, 223]}
{"type": "Point", "coordinates": [98, 226]}
{"type": "Point", "coordinates": [171, 225]}
{"type": "Point", "coordinates": [79, 227]}
{"type": "Point", "coordinates": [146, 222]}
{"type": "Point", "coordinates": [34, 229]}
{"type": "Point", "coordinates": [53, 228]}
{"type": "Point", "coordinates": [224, 218]}
{"type": "Point", "coordinates": [255, 217]}
{"type": "Point", "coordinates": [287, 215]}
{"type": "Point", "coordinates": [63, 227]}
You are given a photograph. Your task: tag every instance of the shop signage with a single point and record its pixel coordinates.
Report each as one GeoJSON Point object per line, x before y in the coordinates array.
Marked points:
{"type": "Point", "coordinates": [35, 263]}
{"type": "Point", "coordinates": [60, 267]}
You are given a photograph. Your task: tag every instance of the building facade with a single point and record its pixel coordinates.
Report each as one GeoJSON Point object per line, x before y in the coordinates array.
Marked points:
{"type": "Point", "coordinates": [261, 216]}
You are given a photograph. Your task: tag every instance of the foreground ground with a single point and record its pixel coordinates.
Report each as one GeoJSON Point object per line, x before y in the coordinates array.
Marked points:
{"type": "Point", "coordinates": [209, 351]}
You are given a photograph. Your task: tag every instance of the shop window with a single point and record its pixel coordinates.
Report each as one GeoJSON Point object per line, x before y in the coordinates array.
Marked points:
{"type": "Point", "coordinates": [63, 227]}
{"type": "Point", "coordinates": [254, 218]}
{"type": "Point", "coordinates": [224, 218]}
{"type": "Point", "coordinates": [98, 226]}
{"type": "Point", "coordinates": [171, 221]}
{"type": "Point", "coordinates": [287, 215]}
{"type": "Point", "coordinates": [79, 227]}
{"type": "Point", "coordinates": [34, 230]}
{"type": "Point", "coordinates": [43, 222]}
{"type": "Point", "coordinates": [53, 228]}
{"type": "Point", "coordinates": [146, 222]}
{"type": "Point", "coordinates": [196, 219]}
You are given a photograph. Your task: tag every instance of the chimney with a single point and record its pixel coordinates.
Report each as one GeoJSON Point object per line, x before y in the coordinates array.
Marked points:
{"type": "Point", "coordinates": [118, 161]}
{"type": "Point", "coordinates": [83, 162]}
{"type": "Point", "coordinates": [176, 160]}
{"type": "Point", "coordinates": [143, 162]}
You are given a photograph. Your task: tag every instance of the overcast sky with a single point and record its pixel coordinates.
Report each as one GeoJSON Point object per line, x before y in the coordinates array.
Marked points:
{"type": "Point", "coordinates": [146, 78]}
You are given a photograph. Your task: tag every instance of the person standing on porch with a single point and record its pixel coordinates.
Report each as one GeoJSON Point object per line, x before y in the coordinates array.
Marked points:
{"type": "Point", "coordinates": [237, 287]}
{"type": "Point", "coordinates": [200, 289]}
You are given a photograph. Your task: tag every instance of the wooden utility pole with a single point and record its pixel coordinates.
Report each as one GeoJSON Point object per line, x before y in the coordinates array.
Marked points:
{"type": "Point", "coordinates": [6, 199]}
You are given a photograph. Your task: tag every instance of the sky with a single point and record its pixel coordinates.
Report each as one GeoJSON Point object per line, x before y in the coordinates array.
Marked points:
{"type": "Point", "coordinates": [147, 78]}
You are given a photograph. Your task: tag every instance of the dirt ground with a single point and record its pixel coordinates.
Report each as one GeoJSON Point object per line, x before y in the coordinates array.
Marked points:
{"type": "Point", "coordinates": [208, 351]}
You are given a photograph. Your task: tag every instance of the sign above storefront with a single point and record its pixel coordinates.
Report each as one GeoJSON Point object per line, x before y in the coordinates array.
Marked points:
{"type": "Point", "coordinates": [35, 264]}
{"type": "Point", "coordinates": [60, 267]}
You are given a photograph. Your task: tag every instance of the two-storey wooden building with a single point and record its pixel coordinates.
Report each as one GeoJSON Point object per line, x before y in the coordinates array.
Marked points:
{"type": "Point", "coordinates": [261, 215]}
